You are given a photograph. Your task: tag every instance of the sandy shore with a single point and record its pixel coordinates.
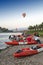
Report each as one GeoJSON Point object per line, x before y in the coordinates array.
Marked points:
{"type": "Point", "coordinates": [6, 57]}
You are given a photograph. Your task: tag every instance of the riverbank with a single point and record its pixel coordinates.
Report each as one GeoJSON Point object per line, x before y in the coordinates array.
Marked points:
{"type": "Point", "coordinates": [6, 57]}
{"type": "Point", "coordinates": [32, 32]}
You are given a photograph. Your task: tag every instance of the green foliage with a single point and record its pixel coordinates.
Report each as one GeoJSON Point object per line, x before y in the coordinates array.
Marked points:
{"type": "Point", "coordinates": [0, 51]}
{"type": "Point", "coordinates": [5, 30]}
{"type": "Point", "coordinates": [36, 28]}
{"type": "Point", "coordinates": [32, 32]}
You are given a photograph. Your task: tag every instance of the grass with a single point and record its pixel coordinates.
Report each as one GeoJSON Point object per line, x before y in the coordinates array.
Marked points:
{"type": "Point", "coordinates": [0, 50]}
{"type": "Point", "coordinates": [40, 32]}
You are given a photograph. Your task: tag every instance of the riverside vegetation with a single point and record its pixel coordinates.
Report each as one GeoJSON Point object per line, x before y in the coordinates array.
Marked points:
{"type": "Point", "coordinates": [36, 28]}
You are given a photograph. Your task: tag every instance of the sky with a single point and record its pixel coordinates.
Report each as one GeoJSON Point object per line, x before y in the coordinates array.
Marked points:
{"type": "Point", "coordinates": [11, 13]}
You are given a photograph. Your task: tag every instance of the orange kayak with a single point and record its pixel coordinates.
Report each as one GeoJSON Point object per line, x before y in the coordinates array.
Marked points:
{"type": "Point", "coordinates": [28, 51]}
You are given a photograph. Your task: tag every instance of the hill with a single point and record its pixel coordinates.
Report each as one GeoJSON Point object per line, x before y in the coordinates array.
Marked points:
{"type": "Point", "coordinates": [5, 30]}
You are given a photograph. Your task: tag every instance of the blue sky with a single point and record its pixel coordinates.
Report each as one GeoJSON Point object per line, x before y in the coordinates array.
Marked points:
{"type": "Point", "coordinates": [11, 13]}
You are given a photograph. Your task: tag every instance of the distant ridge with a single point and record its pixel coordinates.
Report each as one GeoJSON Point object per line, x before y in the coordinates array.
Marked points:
{"type": "Point", "coordinates": [20, 29]}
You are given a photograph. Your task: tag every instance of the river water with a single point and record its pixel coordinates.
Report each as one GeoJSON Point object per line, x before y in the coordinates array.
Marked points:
{"type": "Point", "coordinates": [4, 37]}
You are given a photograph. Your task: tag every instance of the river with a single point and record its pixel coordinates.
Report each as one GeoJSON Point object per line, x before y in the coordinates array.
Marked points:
{"type": "Point", "coordinates": [4, 37]}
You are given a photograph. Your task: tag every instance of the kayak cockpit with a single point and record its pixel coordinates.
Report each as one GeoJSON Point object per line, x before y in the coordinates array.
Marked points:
{"type": "Point", "coordinates": [35, 47]}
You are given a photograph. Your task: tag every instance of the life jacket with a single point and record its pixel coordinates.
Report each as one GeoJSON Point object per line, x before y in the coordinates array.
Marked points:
{"type": "Point", "coordinates": [28, 38]}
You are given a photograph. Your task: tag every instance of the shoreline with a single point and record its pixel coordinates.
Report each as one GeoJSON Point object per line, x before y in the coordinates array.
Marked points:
{"type": "Point", "coordinates": [6, 57]}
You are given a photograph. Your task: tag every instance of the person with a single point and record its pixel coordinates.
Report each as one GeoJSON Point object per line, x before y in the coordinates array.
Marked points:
{"type": "Point", "coordinates": [17, 38]}
{"type": "Point", "coordinates": [24, 33]}
{"type": "Point", "coordinates": [11, 37]}
{"type": "Point", "coordinates": [36, 38]}
{"type": "Point", "coordinates": [14, 37]}
{"type": "Point", "coordinates": [29, 38]}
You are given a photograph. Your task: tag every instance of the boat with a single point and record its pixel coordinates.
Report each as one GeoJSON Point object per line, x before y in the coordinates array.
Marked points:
{"type": "Point", "coordinates": [21, 42]}
{"type": "Point", "coordinates": [29, 51]}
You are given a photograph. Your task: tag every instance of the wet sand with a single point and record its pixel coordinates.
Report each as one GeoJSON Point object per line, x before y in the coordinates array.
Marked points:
{"type": "Point", "coordinates": [6, 57]}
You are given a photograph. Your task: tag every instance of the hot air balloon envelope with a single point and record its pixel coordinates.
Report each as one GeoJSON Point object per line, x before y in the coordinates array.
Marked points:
{"type": "Point", "coordinates": [23, 14]}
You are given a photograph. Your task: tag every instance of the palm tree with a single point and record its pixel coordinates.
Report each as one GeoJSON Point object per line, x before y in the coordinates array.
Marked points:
{"type": "Point", "coordinates": [30, 28]}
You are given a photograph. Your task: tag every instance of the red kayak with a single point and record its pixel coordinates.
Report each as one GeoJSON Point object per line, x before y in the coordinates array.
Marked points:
{"type": "Point", "coordinates": [21, 42]}
{"type": "Point", "coordinates": [29, 51]}
{"type": "Point", "coordinates": [27, 41]}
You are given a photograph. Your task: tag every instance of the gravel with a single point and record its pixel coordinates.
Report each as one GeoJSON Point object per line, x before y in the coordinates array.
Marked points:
{"type": "Point", "coordinates": [7, 58]}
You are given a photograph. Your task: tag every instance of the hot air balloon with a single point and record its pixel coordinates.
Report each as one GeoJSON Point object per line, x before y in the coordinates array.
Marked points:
{"type": "Point", "coordinates": [24, 14]}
